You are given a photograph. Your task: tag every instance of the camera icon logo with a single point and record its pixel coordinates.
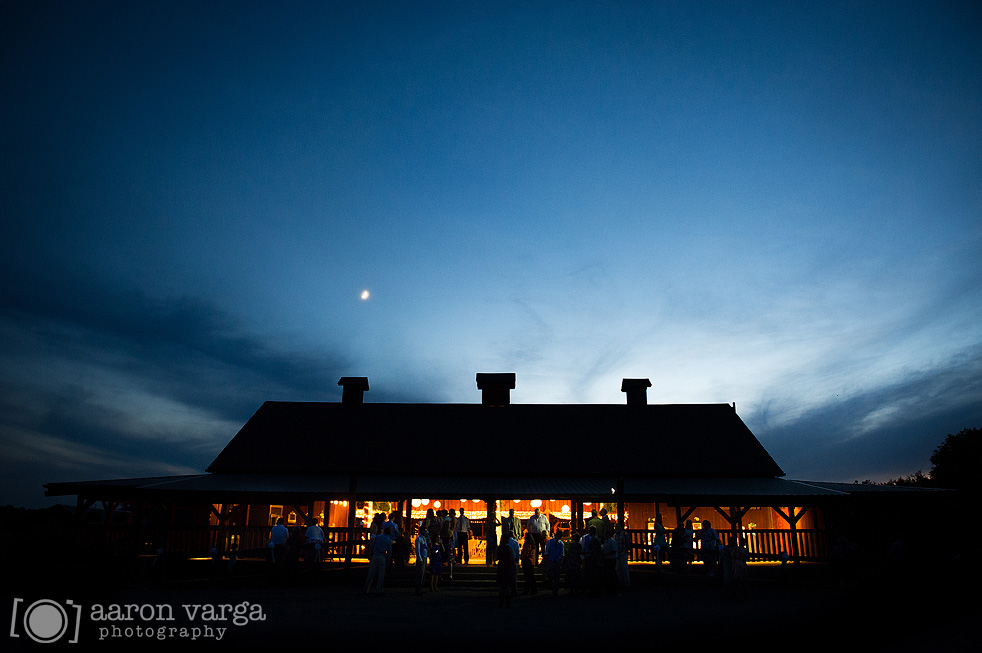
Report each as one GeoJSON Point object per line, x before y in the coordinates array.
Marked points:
{"type": "Point", "coordinates": [46, 621]}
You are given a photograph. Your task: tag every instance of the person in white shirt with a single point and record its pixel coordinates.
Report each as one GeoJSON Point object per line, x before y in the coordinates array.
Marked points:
{"type": "Point", "coordinates": [538, 528]}
{"type": "Point", "coordinates": [462, 530]}
{"type": "Point", "coordinates": [315, 538]}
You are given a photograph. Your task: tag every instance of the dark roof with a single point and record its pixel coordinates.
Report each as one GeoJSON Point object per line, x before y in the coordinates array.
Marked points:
{"type": "Point", "coordinates": [433, 440]}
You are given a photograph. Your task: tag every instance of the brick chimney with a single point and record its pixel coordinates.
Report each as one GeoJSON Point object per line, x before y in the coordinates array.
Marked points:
{"type": "Point", "coordinates": [495, 388]}
{"type": "Point", "coordinates": [353, 389]}
{"type": "Point", "coordinates": [636, 390]}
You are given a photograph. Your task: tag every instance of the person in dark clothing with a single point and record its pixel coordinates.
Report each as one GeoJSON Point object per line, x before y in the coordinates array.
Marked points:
{"type": "Point", "coordinates": [505, 576]}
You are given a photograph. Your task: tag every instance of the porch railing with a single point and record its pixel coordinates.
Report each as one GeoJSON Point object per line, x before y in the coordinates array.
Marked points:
{"type": "Point", "coordinates": [764, 544]}
{"type": "Point", "coordinates": [199, 540]}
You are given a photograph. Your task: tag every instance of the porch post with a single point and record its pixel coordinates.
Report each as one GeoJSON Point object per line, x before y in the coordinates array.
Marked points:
{"type": "Point", "coordinates": [222, 526]}
{"type": "Point", "coordinates": [795, 553]}
{"type": "Point", "coordinates": [350, 544]}
{"type": "Point", "coordinates": [490, 539]}
{"type": "Point", "coordinates": [620, 502]}
{"type": "Point", "coordinates": [792, 519]}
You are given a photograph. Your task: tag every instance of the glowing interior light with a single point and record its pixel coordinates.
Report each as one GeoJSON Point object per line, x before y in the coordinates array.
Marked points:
{"type": "Point", "coordinates": [536, 503]}
{"type": "Point", "coordinates": [417, 503]}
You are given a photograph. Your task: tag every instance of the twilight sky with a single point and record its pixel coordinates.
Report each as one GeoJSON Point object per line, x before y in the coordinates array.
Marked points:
{"type": "Point", "coordinates": [774, 204]}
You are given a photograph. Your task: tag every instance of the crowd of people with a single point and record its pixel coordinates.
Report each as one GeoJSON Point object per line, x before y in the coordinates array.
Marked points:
{"type": "Point", "coordinates": [594, 562]}
{"type": "Point", "coordinates": [288, 545]}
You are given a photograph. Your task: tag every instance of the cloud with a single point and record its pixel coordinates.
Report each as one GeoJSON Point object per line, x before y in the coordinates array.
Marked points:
{"type": "Point", "coordinates": [108, 383]}
{"type": "Point", "coordinates": [875, 433]}
{"type": "Point", "coordinates": [32, 458]}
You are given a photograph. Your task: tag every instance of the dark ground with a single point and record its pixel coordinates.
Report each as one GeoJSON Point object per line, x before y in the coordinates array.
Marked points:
{"type": "Point", "coordinates": [803, 609]}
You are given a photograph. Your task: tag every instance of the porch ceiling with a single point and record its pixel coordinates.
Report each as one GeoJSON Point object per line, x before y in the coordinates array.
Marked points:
{"type": "Point", "coordinates": [262, 488]}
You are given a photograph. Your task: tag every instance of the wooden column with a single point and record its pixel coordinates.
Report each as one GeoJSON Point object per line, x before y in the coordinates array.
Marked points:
{"type": "Point", "coordinates": [619, 490]}
{"type": "Point", "coordinates": [792, 519]}
{"type": "Point", "coordinates": [222, 524]}
{"type": "Point", "coordinates": [350, 537]}
{"type": "Point", "coordinates": [489, 543]}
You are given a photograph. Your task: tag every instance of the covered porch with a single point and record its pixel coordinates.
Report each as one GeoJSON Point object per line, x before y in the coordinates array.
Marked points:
{"type": "Point", "coordinates": [199, 515]}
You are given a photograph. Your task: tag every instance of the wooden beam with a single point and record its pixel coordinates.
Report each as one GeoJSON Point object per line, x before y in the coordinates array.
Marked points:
{"type": "Point", "coordinates": [300, 511]}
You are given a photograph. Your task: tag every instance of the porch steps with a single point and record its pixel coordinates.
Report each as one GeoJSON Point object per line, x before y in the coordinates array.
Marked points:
{"type": "Point", "coordinates": [472, 576]}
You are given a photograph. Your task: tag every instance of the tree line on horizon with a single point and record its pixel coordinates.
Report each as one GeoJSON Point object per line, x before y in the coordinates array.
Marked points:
{"type": "Point", "coordinates": [955, 464]}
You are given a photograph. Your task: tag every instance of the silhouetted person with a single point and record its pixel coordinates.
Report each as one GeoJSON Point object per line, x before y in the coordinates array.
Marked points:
{"type": "Point", "coordinates": [529, 554]}
{"type": "Point", "coordinates": [735, 557]}
{"type": "Point", "coordinates": [379, 552]}
{"type": "Point", "coordinates": [688, 552]}
{"type": "Point", "coordinates": [277, 539]}
{"type": "Point", "coordinates": [446, 538]}
{"type": "Point", "coordinates": [294, 547]}
{"type": "Point", "coordinates": [515, 556]}
{"type": "Point", "coordinates": [554, 562]}
{"type": "Point", "coordinates": [233, 557]}
{"type": "Point", "coordinates": [593, 563]}
{"type": "Point", "coordinates": [391, 522]}
{"type": "Point", "coordinates": [623, 540]}
{"type": "Point", "coordinates": [315, 540]}
{"type": "Point", "coordinates": [436, 562]}
{"type": "Point", "coordinates": [574, 565]}
{"type": "Point", "coordinates": [432, 524]}
{"type": "Point", "coordinates": [606, 530]}
{"type": "Point", "coordinates": [660, 544]}
{"type": "Point", "coordinates": [609, 553]}
{"type": "Point", "coordinates": [709, 547]}
{"type": "Point", "coordinates": [594, 521]}
{"type": "Point", "coordinates": [505, 576]}
{"type": "Point", "coordinates": [422, 554]}
{"type": "Point", "coordinates": [491, 540]}
{"type": "Point", "coordinates": [675, 548]}
{"type": "Point", "coordinates": [512, 524]}
{"type": "Point", "coordinates": [462, 533]}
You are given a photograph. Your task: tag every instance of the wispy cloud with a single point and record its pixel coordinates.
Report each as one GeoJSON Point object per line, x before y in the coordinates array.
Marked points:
{"type": "Point", "coordinates": [875, 432]}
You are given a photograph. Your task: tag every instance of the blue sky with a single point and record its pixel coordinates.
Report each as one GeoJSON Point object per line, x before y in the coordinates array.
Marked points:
{"type": "Point", "coordinates": [773, 204]}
